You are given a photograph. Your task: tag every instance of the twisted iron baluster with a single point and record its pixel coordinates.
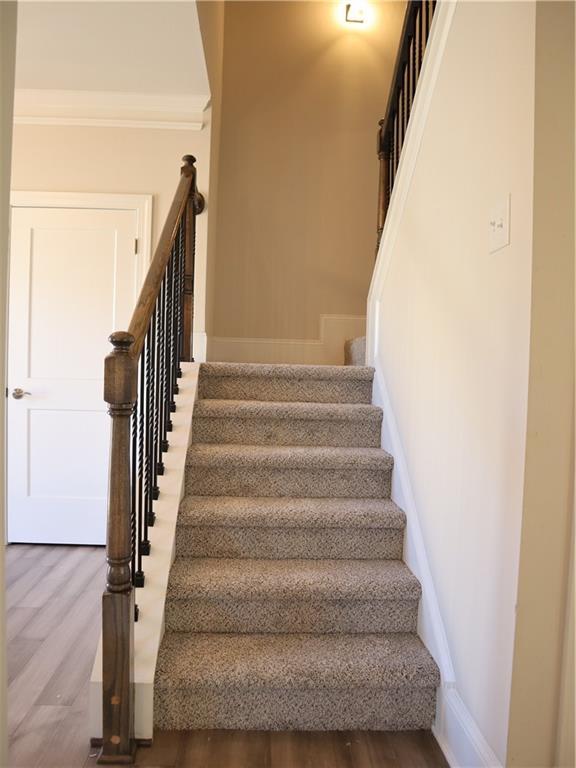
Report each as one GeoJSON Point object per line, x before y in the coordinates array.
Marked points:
{"type": "Point", "coordinates": [139, 575]}
{"type": "Point", "coordinates": [150, 517]}
{"type": "Point", "coordinates": [174, 327]}
{"type": "Point", "coordinates": [163, 379]}
{"type": "Point", "coordinates": [180, 293]}
{"type": "Point", "coordinates": [133, 514]}
{"type": "Point", "coordinates": [155, 440]}
{"type": "Point", "coordinates": [170, 404]}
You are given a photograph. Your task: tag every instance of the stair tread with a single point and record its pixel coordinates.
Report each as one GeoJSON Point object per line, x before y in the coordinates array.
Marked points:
{"type": "Point", "coordinates": [287, 457]}
{"type": "Point", "coordinates": [284, 371]}
{"type": "Point", "coordinates": [289, 512]}
{"type": "Point", "coordinates": [270, 409]}
{"type": "Point", "coordinates": [241, 579]}
{"type": "Point", "coordinates": [394, 660]}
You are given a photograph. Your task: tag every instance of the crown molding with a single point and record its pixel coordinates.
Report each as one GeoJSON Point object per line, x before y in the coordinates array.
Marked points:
{"type": "Point", "coordinates": [110, 109]}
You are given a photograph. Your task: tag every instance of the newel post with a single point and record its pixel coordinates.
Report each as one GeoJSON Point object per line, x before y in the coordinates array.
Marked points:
{"type": "Point", "coordinates": [383, 181]}
{"type": "Point", "coordinates": [194, 206]}
{"type": "Point", "coordinates": [120, 387]}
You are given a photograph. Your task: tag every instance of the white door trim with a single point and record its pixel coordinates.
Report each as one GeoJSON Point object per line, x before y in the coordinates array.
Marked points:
{"type": "Point", "coordinates": [142, 204]}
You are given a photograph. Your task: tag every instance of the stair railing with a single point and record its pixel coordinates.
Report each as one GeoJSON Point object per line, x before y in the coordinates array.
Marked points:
{"type": "Point", "coordinates": [140, 382]}
{"type": "Point", "coordinates": [392, 129]}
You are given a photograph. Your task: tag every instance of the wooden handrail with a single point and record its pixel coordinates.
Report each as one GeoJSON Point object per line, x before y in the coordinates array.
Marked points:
{"type": "Point", "coordinates": [392, 129]}
{"type": "Point", "coordinates": [144, 308]}
{"type": "Point", "coordinates": [140, 383]}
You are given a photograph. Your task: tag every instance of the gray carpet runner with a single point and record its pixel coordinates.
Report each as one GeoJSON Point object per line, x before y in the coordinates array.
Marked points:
{"type": "Point", "coordinates": [289, 606]}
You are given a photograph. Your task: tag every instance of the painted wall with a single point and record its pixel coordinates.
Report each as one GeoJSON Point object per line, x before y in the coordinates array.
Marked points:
{"type": "Point", "coordinates": [7, 57]}
{"type": "Point", "coordinates": [298, 181]}
{"type": "Point", "coordinates": [134, 160]}
{"type": "Point", "coordinates": [211, 18]}
{"type": "Point", "coordinates": [449, 333]}
{"type": "Point", "coordinates": [548, 484]}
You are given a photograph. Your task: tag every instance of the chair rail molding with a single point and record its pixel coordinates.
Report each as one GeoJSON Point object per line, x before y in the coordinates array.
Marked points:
{"type": "Point", "coordinates": [110, 109]}
{"type": "Point", "coordinates": [327, 349]}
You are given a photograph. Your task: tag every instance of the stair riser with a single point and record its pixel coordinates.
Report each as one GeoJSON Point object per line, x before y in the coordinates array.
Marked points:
{"type": "Point", "coordinates": [302, 615]}
{"type": "Point", "coordinates": [282, 543]}
{"type": "Point", "coordinates": [310, 432]}
{"type": "Point", "coordinates": [290, 709]}
{"type": "Point", "coordinates": [314, 483]}
{"type": "Point", "coordinates": [284, 390]}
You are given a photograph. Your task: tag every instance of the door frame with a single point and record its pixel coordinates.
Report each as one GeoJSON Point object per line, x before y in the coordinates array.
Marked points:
{"type": "Point", "coordinates": [141, 204]}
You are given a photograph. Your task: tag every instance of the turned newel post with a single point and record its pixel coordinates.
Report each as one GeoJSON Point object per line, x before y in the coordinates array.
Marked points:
{"type": "Point", "coordinates": [120, 388]}
{"type": "Point", "coordinates": [383, 181]}
{"type": "Point", "coordinates": [194, 206]}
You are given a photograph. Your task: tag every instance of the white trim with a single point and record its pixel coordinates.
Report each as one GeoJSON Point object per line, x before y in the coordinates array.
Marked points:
{"type": "Point", "coordinates": [414, 134]}
{"type": "Point", "coordinates": [328, 349]}
{"type": "Point", "coordinates": [458, 735]}
{"type": "Point", "coordinates": [149, 629]}
{"type": "Point", "coordinates": [110, 109]}
{"type": "Point", "coordinates": [92, 122]}
{"type": "Point", "coordinates": [199, 344]}
{"type": "Point", "coordinates": [430, 625]}
{"type": "Point", "coordinates": [455, 729]}
{"type": "Point", "coordinates": [141, 204]}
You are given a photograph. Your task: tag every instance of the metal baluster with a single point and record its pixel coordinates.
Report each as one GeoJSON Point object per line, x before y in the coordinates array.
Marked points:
{"type": "Point", "coordinates": [396, 147]}
{"type": "Point", "coordinates": [149, 518]}
{"type": "Point", "coordinates": [145, 543]}
{"type": "Point", "coordinates": [406, 101]}
{"type": "Point", "coordinates": [174, 327]}
{"type": "Point", "coordinates": [139, 575]}
{"type": "Point", "coordinates": [412, 71]}
{"type": "Point", "coordinates": [427, 20]}
{"type": "Point", "coordinates": [390, 168]}
{"type": "Point", "coordinates": [181, 246]}
{"type": "Point", "coordinates": [155, 443]}
{"type": "Point", "coordinates": [133, 472]}
{"type": "Point", "coordinates": [421, 35]}
{"type": "Point", "coordinates": [169, 402]}
{"type": "Point", "coordinates": [163, 383]}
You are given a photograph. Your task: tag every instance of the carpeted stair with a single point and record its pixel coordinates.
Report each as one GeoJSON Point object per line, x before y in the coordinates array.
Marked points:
{"type": "Point", "coordinates": [289, 607]}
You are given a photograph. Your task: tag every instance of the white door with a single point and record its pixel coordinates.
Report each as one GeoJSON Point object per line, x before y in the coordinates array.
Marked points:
{"type": "Point", "coordinates": [74, 278]}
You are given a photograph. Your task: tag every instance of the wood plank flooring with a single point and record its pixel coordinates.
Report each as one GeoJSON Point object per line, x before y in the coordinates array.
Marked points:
{"type": "Point", "coordinates": [53, 617]}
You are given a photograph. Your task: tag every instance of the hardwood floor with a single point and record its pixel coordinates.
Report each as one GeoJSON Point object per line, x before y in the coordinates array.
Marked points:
{"type": "Point", "coordinates": [53, 618]}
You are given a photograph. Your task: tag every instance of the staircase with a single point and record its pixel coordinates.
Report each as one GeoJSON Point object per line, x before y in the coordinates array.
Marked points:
{"type": "Point", "coordinates": [289, 607]}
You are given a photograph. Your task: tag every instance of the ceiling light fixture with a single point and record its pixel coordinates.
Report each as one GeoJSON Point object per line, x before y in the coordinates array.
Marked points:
{"type": "Point", "coordinates": [355, 13]}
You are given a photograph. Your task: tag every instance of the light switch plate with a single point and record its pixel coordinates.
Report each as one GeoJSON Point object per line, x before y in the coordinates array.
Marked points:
{"type": "Point", "coordinates": [499, 225]}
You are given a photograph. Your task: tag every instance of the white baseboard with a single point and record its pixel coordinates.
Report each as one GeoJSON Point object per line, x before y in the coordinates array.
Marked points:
{"type": "Point", "coordinates": [430, 624]}
{"type": "Point", "coordinates": [326, 350]}
{"type": "Point", "coordinates": [149, 628]}
{"type": "Point", "coordinates": [457, 733]}
{"type": "Point", "coordinates": [199, 345]}
{"type": "Point", "coordinates": [459, 737]}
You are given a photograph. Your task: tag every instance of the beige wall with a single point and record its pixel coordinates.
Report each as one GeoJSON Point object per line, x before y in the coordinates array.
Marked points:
{"type": "Point", "coordinates": [450, 335]}
{"type": "Point", "coordinates": [565, 744]}
{"type": "Point", "coordinates": [548, 485]}
{"type": "Point", "coordinates": [211, 17]}
{"type": "Point", "coordinates": [7, 54]}
{"type": "Point", "coordinates": [298, 169]}
{"type": "Point", "coordinates": [129, 160]}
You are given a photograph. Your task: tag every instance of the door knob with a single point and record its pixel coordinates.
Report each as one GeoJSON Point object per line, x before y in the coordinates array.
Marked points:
{"type": "Point", "coordinates": [18, 393]}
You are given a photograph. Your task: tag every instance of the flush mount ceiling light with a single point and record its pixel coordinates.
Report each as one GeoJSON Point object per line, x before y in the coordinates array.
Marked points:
{"type": "Point", "coordinates": [355, 13]}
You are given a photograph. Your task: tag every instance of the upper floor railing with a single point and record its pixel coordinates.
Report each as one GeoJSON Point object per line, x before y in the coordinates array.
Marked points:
{"type": "Point", "coordinates": [140, 383]}
{"type": "Point", "coordinates": [392, 129]}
